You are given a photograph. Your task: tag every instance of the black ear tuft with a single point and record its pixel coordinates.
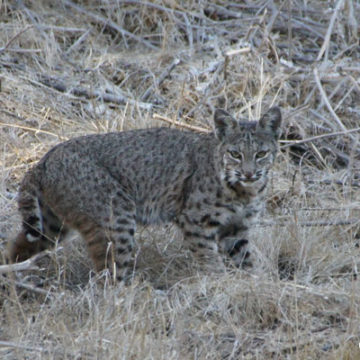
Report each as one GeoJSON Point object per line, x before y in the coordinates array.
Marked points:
{"type": "Point", "coordinates": [224, 123]}
{"type": "Point", "coordinates": [270, 122]}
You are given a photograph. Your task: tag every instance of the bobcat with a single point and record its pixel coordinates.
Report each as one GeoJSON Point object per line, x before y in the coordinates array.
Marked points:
{"type": "Point", "coordinates": [210, 185]}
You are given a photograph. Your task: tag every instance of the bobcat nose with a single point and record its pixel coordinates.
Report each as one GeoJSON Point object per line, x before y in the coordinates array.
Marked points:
{"type": "Point", "coordinates": [249, 174]}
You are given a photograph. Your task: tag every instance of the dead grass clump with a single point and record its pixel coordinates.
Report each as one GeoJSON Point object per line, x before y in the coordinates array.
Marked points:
{"type": "Point", "coordinates": [73, 68]}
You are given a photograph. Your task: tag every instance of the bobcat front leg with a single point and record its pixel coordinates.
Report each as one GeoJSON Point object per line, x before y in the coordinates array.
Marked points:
{"type": "Point", "coordinates": [204, 247]}
{"type": "Point", "coordinates": [233, 242]}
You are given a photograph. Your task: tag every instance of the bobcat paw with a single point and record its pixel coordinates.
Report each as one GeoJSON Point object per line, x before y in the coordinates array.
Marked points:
{"type": "Point", "coordinates": [239, 254]}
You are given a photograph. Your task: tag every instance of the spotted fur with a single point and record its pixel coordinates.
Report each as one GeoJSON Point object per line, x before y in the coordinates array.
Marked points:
{"type": "Point", "coordinates": [210, 185]}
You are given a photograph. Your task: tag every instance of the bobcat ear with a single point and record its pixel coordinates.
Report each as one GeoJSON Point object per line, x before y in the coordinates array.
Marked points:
{"type": "Point", "coordinates": [270, 122]}
{"type": "Point", "coordinates": [224, 123]}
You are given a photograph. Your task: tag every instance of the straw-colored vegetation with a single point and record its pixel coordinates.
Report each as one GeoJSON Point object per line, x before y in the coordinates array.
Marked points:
{"type": "Point", "coordinates": [70, 68]}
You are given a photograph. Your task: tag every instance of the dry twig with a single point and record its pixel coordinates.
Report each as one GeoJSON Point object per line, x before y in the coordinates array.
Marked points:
{"type": "Point", "coordinates": [30, 129]}
{"type": "Point", "coordinates": [25, 265]}
{"type": "Point", "coordinates": [182, 125]}
{"type": "Point", "coordinates": [2, 49]}
{"type": "Point", "coordinates": [32, 288]}
{"type": "Point", "coordinates": [314, 138]}
{"type": "Point", "coordinates": [78, 41]}
{"type": "Point", "coordinates": [326, 100]}
{"type": "Point", "coordinates": [29, 264]}
{"type": "Point", "coordinates": [325, 45]}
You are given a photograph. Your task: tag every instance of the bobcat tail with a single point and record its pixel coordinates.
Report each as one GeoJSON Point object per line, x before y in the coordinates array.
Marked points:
{"type": "Point", "coordinates": [31, 238]}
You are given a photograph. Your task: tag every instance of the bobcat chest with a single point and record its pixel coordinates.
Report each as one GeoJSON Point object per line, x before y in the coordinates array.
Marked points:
{"type": "Point", "coordinates": [240, 212]}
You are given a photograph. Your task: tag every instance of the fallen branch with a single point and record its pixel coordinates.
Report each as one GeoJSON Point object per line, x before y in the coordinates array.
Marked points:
{"type": "Point", "coordinates": [88, 94]}
{"type": "Point", "coordinates": [221, 12]}
{"type": "Point", "coordinates": [29, 264]}
{"type": "Point", "coordinates": [32, 288]}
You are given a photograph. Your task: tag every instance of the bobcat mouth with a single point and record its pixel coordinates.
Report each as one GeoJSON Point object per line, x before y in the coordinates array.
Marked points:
{"type": "Point", "coordinates": [249, 181]}
{"type": "Point", "coordinates": [246, 179]}
{"type": "Point", "coordinates": [238, 178]}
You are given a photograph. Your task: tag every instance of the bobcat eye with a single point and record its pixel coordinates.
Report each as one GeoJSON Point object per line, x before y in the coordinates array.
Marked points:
{"type": "Point", "coordinates": [235, 154]}
{"type": "Point", "coordinates": [261, 154]}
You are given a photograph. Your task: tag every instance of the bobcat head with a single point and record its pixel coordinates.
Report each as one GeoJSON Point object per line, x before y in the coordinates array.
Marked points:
{"type": "Point", "coordinates": [247, 150]}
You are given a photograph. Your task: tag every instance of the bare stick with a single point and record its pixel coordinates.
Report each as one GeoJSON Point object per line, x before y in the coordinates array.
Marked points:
{"type": "Point", "coordinates": [61, 28]}
{"type": "Point", "coordinates": [326, 100]}
{"type": "Point", "coordinates": [29, 129]}
{"type": "Point", "coordinates": [78, 41]}
{"type": "Point", "coordinates": [325, 44]}
{"type": "Point", "coordinates": [352, 21]}
{"type": "Point", "coordinates": [233, 52]}
{"type": "Point", "coordinates": [25, 51]}
{"type": "Point", "coordinates": [275, 14]}
{"type": "Point", "coordinates": [179, 124]}
{"type": "Point", "coordinates": [32, 288]}
{"type": "Point", "coordinates": [337, 133]}
{"type": "Point", "coordinates": [29, 264]}
{"type": "Point", "coordinates": [15, 37]}
{"type": "Point", "coordinates": [25, 265]}
{"type": "Point", "coordinates": [109, 23]}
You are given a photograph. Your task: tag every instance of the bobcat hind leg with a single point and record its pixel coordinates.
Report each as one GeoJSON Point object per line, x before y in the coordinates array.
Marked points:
{"type": "Point", "coordinates": [40, 229]}
{"type": "Point", "coordinates": [110, 243]}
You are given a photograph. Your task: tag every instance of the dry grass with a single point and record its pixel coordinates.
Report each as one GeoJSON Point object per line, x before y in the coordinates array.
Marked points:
{"type": "Point", "coordinates": [101, 66]}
